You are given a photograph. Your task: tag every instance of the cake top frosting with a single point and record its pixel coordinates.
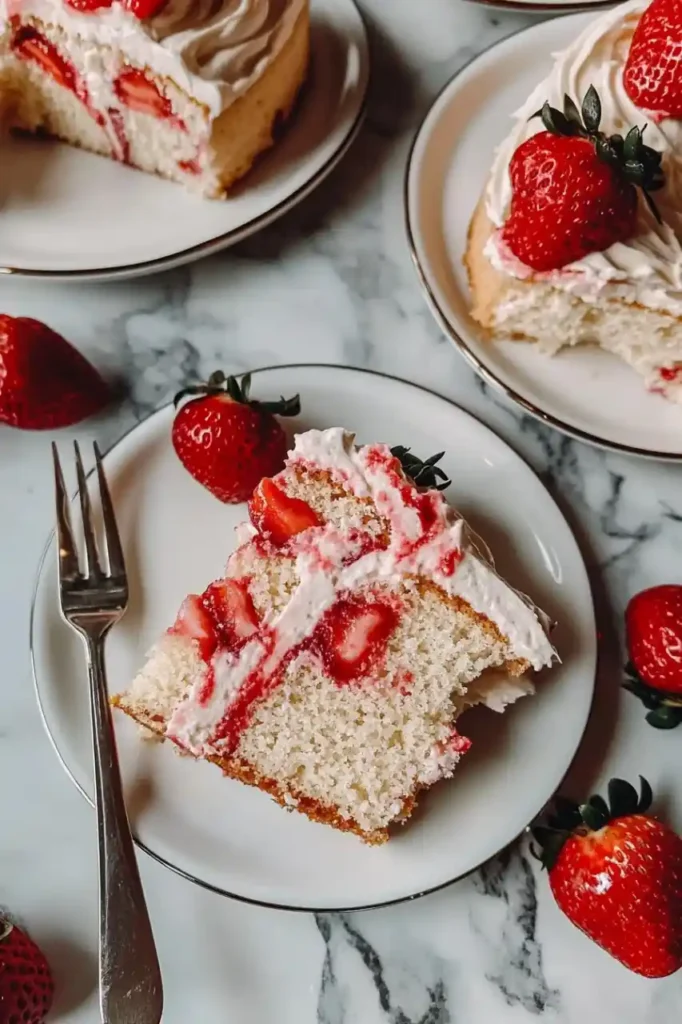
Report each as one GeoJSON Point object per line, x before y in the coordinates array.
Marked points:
{"type": "Point", "coordinates": [213, 49]}
{"type": "Point", "coordinates": [646, 269]}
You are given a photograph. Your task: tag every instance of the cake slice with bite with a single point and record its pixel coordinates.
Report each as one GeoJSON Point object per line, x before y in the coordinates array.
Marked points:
{"type": "Point", "coordinates": [192, 91]}
{"type": "Point", "coordinates": [577, 237]}
{"type": "Point", "coordinates": [356, 621]}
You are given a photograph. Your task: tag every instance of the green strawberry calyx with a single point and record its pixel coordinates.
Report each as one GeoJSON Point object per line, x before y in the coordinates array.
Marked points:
{"type": "Point", "coordinates": [422, 472]}
{"type": "Point", "coordinates": [239, 390]}
{"type": "Point", "coordinates": [568, 818]}
{"type": "Point", "coordinates": [664, 710]}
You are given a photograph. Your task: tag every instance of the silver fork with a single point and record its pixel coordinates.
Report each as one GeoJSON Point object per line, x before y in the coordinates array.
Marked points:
{"type": "Point", "coordinates": [92, 601]}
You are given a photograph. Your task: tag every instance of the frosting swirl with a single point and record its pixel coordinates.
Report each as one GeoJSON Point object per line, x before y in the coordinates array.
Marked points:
{"type": "Point", "coordinates": [648, 268]}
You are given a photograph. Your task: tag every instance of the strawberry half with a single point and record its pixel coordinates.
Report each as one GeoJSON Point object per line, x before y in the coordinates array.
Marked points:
{"type": "Point", "coordinates": [616, 873]}
{"type": "Point", "coordinates": [353, 636]}
{"type": "Point", "coordinates": [44, 382]}
{"type": "Point", "coordinates": [26, 985]}
{"type": "Point", "coordinates": [574, 188]}
{"type": "Point", "coordinates": [228, 441]}
{"type": "Point", "coordinates": [140, 93]}
{"type": "Point", "coordinates": [653, 626]}
{"type": "Point", "coordinates": [652, 76]}
{"type": "Point", "coordinates": [232, 610]}
{"type": "Point", "coordinates": [279, 517]}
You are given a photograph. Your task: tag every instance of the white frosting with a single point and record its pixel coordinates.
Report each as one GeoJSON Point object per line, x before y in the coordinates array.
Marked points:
{"type": "Point", "coordinates": [213, 49]}
{"type": "Point", "coordinates": [648, 268]}
{"type": "Point", "coordinates": [325, 569]}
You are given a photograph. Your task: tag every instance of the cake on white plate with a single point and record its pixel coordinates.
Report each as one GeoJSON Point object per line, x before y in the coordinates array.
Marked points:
{"type": "Point", "coordinates": [551, 257]}
{"type": "Point", "coordinates": [193, 90]}
{"type": "Point", "coordinates": [357, 620]}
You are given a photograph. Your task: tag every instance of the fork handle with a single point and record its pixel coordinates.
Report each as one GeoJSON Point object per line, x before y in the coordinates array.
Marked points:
{"type": "Point", "coordinates": [129, 974]}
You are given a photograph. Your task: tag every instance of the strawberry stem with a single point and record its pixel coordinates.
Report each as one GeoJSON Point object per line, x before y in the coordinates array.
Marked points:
{"type": "Point", "coordinates": [424, 473]}
{"type": "Point", "coordinates": [239, 391]}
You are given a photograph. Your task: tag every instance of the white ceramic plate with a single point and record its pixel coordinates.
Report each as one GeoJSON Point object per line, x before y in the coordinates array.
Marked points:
{"type": "Point", "coordinates": [584, 392]}
{"type": "Point", "coordinates": [236, 840]}
{"type": "Point", "coordinates": [68, 214]}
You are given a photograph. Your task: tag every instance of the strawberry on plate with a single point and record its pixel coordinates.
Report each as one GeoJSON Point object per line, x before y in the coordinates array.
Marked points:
{"type": "Point", "coordinates": [26, 985]}
{"type": "Point", "coordinates": [616, 872]}
{"type": "Point", "coordinates": [574, 188]}
{"type": "Point", "coordinates": [227, 440]}
{"type": "Point", "coordinates": [653, 626]}
{"type": "Point", "coordinates": [45, 383]}
{"type": "Point", "coordinates": [653, 71]}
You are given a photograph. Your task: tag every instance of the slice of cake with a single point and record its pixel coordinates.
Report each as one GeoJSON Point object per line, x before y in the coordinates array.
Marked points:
{"type": "Point", "coordinates": [562, 251]}
{"type": "Point", "coordinates": [356, 621]}
{"type": "Point", "coordinates": [192, 91]}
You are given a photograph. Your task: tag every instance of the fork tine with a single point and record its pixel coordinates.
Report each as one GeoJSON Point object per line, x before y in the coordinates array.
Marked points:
{"type": "Point", "coordinates": [111, 535]}
{"type": "Point", "coordinates": [91, 555]}
{"type": "Point", "coordinates": [68, 556]}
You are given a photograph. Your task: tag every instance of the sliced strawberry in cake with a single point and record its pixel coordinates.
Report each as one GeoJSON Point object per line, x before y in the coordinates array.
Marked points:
{"type": "Point", "coordinates": [354, 626]}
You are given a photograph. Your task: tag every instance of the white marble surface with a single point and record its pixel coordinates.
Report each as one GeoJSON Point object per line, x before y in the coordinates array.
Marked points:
{"type": "Point", "coordinates": [331, 282]}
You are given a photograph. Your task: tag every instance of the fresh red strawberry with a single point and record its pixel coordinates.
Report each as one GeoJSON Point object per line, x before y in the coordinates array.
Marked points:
{"type": "Point", "coordinates": [26, 985]}
{"type": "Point", "coordinates": [616, 873]}
{"type": "Point", "coordinates": [653, 70]}
{"type": "Point", "coordinates": [353, 636]}
{"type": "Point", "coordinates": [44, 382]}
{"type": "Point", "coordinates": [653, 625]}
{"type": "Point", "coordinates": [573, 188]}
{"type": "Point", "coordinates": [226, 440]}
{"type": "Point", "coordinates": [143, 9]}
{"type": "Point", "coordinates": [277, 516]}
{"type": "Point", "coordinates": [232, 610]}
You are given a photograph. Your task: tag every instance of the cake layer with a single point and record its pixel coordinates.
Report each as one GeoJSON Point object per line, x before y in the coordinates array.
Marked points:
{"type": "Point", "coordinates": [337, 663]}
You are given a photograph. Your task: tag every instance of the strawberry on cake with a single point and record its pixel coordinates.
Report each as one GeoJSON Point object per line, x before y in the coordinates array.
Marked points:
{"type": "Point", "coordinates": [356, 621]}
{"type": "Point", "coordinates": [578, 235]}
{"type": "Point", "coordinates": [193, 90]}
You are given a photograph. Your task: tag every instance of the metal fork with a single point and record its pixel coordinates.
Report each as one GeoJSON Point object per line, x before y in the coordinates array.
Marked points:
{"type": "Point", "coordinates": [92, 601]}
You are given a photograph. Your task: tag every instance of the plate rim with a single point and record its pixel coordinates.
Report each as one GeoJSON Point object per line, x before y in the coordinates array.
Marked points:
{"type": "Point", "coordinates": [482, 369]}
{"type": "Point", "coordinates": [268, 904]}
{"type": "Point", "coordinates": [577, 7]}
{"type": "Point", "coordinates": [215, 245]}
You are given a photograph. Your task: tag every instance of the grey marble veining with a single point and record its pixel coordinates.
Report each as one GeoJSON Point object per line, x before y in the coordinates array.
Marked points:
{"type": "Point", "coordinates": [332, 282]}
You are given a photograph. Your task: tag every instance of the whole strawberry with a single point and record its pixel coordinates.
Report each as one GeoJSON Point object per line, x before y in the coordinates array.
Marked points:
{"type": "Point", "coordinates": [226, 440]}
{"type": "Point", "coordinates": [653, 71]}
{"type": "Point", "coordinates": [616, 873]}
{"type": "Point", "coordinates": [26, 985]}
{"type": "Point", "coordinates": [653, 627]}
{"type": "Point", "coordinates": [45, 383]}
{"type": "Point", "coordinates": [573, 188]}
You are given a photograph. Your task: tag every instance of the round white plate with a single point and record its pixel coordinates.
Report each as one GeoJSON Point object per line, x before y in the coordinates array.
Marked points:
{"type": "Point", "coordinates": [177, 538]}
{"type": "Point", "coordinates": [66, 214]}
{"type": "Point", "coordinates": [584, 392]}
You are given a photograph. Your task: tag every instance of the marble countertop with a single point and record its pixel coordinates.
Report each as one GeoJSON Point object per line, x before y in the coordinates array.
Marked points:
{"type": "Point", "coordinates": [331, 282]}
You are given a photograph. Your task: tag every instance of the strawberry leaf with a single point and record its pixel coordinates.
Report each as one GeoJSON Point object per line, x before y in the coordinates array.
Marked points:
{"type": "Point", "coordinates": [571, 111]}
{"type": "Point", "coordinates": [594, 816]}
{"type": "Point", "coordinates": [665, 717]}
{"type": "Point", "coordinates": [645, 795]}
{"type": "Point", "coordinates": [591, 110]}
{"type": "Point", "coordinates": [623, 798]}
